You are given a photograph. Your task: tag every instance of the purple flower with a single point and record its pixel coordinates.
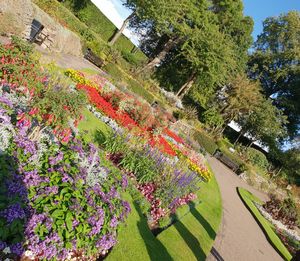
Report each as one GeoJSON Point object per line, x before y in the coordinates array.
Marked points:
{"type": "Point", "coordinates": [124, 182]}
{"type": "Point", "coordinates": [75, 223]}
{"type": "Point", "coordinates": [106, 242]}
{"type": "Point", "coordinates": [13, 212]}
{"type": "Point", "coordinates": [26, 144]}
{"type": "Point", "coordinates": [114, 222]}
{"type": "Point", "coordinates": [96, 222]}
{"type": "Point", "coordinates": [16, 187]}
{"type": "Point", "coordinates": [6, 101]}
{"type": "Point", "coordinates": [32, 178]}
{"type": "Point", "coordinates": [126, 206]}
{"type": "Point", "coordinates": [17, 249]}
{"type": "Point", "coordinates": [49, 190]}
{"type": "Point", "coordinates": [54, 160]}
{"type": "Point", "coordinates": [2, 245]}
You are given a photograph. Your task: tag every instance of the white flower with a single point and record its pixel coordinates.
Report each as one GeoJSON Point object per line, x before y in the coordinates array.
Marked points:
{"type": "Point", "coordinates": [29, 254]}
{"type": "Point", "coordinates": [6, 250]}
{"type": "Point", "coordinates": [6, 259]}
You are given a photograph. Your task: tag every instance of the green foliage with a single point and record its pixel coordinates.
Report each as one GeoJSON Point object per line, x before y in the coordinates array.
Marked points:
{"type": "Point", "coordinates": [164, 222]}
{"type": "Point", "coordinates": [130, 57]}
{"type": "Point", "coordinates": [275, 62]}
{"type": "Point", "coordinates": [60, 103]}
{"type": "Point", "coordinates": [142, 166]}
{"type": "Point", "coordinates": [213, 118]}
{"type": "Point", "coordinates": [190, 113]}
{"type": "Point", "coordinates": [206, 142]}
{"type": "Point", "coordinates": [97, 22]}
{"type": "Point", "coordinates": [257, 158]}
{"type": "Point", "coordinates": [178, 114]}
{"type": "Point", "coordinates": [265, 123]}
{"type": "Point", "coordinates": [240, 98]}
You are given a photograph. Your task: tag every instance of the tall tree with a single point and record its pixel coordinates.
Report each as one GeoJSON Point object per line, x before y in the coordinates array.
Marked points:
{"type": "Point", "coordinates": [231, 20]}
{"type": "Point", "coordinates": [265, 123]}
{"type": "Point", "coordinates": [239, 98]}
{"type": "Point", "coordinates": [163, 26]}
{"type": "Point", "coordinates": [276, 63]}
{"type": "Point", "coordinates": [119, 32]}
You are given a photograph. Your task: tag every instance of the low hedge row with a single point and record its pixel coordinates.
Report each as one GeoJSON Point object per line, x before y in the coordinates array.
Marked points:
{"type": "Point", "coordinates": [206, 142]}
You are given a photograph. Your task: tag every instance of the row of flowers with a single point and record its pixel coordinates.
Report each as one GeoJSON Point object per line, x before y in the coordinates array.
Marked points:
{"type": "Point", "coordinates": [102, 97]}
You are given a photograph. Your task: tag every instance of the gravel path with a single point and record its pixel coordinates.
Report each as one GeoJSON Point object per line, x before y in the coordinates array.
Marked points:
{"type": "Point", "coordinates": [239, 238]}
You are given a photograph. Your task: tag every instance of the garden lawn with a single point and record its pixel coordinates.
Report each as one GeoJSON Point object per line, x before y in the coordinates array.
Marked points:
{"type": "Point", "coordinates": [266, 226]}
{"type": "Point", "coordinates": [192, 237]}
{"type": "Point", "coordinates": [90, 125]}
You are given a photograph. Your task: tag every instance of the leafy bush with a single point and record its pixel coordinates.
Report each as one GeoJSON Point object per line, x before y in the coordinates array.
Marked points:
{"type": "Point", "coordinates": [178, 114]}
{"type": "Point", "coordinates": [213, 118]}
{"type": "Point", "coordinates": [131, 58]}
{"type": "Point", "coordinates": [257, 158]}
{"type": "Point", "coordinates": [206, 142]}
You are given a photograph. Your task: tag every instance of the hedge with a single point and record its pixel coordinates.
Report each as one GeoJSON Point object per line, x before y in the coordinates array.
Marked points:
{"type": "Point", "coordinates": [206, 142]}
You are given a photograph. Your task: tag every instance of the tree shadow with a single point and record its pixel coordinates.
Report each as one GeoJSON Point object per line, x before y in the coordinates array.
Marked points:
{"type": "Point", "coordinates": [191, 241]}
{"type": "Point", "coordinates": [155, 249]}
{"type": "Point", "coordinates": [210, 231]}
{"type": "Point", "coordinates": [13, 198]}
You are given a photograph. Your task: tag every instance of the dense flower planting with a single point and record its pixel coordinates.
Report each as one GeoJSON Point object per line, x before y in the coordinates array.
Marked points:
{"type": "Point", "coordinates": [165, 188]}
{"type": "Point", "coordinates": [59, 198]}
{"type": "Point", "coordinates": [165, 181]}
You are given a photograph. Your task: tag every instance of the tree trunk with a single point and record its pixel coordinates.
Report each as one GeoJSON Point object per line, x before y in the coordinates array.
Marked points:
{"type": "Point", "coordinates": [187, 86]}
{"type": "Point", "coordinates": [119, 32]}
{"type": "Point", "coordinates": [134, 50]}
{"type": "Point", "coordinates": [162, 54]}
{"type": "Point", "coordinates": [238, 138]}
{"type": "Point", "coordinates": [250, 144]}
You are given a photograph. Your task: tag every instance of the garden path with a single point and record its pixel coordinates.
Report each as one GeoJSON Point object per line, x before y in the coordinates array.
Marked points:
{"type": "Point", "coordinates": [240, 237]}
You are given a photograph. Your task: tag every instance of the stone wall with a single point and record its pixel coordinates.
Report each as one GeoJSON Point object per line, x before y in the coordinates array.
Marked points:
{"type": "Point", "coordinates": [16, 17]}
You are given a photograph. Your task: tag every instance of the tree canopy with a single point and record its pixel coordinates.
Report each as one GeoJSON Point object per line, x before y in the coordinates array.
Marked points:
{"type": "Point", "coordinates": [275, 62]}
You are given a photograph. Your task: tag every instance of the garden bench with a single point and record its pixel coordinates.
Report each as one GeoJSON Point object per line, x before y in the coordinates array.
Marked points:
{"type": "Point", "coordinates": [93, 58]}
{"type": "Point", "coordinates": [38, 34]}
{"type": "Point", "coordinates": [227, 161]}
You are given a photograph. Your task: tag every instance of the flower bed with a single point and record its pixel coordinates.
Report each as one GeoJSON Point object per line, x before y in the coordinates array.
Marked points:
{"type": "Point", "coordinates": [151, 183]}
{"type": "Point", "coordinates": [59, 198]}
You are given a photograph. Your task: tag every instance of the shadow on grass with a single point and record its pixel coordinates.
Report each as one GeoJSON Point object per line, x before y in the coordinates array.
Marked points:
{"type": "Point", "coordinates": [155, 249]}
{"type": "Point", "coordinates": [210, 231]}
{"type": "Point", "coordinates": [191, 241]}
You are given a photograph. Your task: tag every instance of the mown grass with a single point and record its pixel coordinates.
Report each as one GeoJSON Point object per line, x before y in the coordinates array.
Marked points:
{"type": "Point", "coordinates": [192, 237]}
{"type": "Point", "coordinates": [265, 225]}
{"type": "Point", "coordinates": [90, 125]}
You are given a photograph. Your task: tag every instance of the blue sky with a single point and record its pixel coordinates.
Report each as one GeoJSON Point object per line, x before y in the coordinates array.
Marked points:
{"type": "Point", "coordinates": [261, 9]}
{"type": "Point", "coordinates": [257, 9]}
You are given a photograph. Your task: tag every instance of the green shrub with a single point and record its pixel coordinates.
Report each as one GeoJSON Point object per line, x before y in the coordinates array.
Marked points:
{"type": "Point", "coordinates": [129, 57]}
{"type": "Point", "coordinates": [164, 222]}
{"type": "Point", "coordinates": [205, 141]}
{"type": "Point", "coordinates": [257, 158]}
{"type": "Point", "coordinates": [178, 114]}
